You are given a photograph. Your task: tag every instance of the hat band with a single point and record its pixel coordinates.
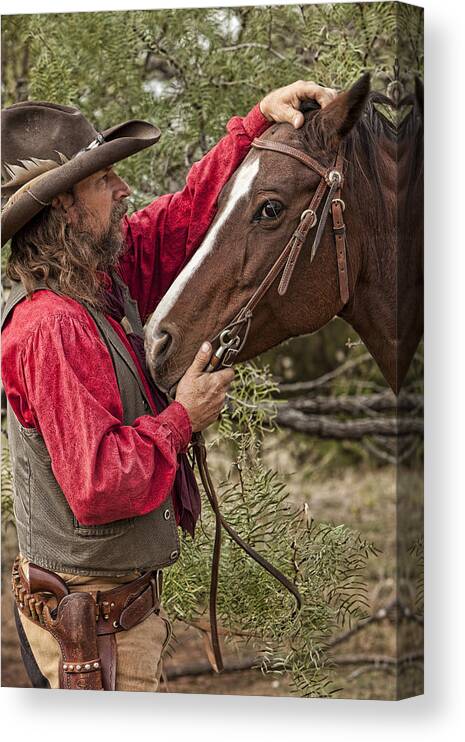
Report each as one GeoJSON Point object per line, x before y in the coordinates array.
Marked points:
{"type": "Point", "coordinates": [99, 139]}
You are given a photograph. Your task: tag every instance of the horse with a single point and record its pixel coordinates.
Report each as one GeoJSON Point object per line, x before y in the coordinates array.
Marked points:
{"type": "Point", "coordinates": [270, 267]}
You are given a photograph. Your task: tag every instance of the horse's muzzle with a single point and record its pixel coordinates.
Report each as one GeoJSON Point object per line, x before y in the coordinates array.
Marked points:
{"type": "Point", "coordinates": [161, 346]}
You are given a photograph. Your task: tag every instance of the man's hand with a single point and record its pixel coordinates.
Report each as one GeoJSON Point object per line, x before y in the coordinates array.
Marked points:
{"type": "Point", "coordinates": [201, 394]}
{"type": "Point", "coordinates": [282, 105]}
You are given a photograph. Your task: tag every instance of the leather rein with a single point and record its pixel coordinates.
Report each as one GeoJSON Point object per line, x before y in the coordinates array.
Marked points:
{"type": "Point", "coordinates": [234, 336]}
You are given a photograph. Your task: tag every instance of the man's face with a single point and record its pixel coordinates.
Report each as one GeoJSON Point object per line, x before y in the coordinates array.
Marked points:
{"type": "Point", "coordinates": [94, 210]}
{"type": "Point", "coordinates": [98, 199]}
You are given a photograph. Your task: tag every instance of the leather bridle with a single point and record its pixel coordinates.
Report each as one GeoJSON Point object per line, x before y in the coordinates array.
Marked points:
{"type": "Point", "coordinates": [232, 338]}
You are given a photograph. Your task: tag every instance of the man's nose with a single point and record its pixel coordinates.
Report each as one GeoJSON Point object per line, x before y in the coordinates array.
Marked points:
{"type": "Point", "coordinates": [122, 189]}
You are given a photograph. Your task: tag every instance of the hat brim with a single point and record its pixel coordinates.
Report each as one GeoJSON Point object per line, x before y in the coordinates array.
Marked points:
{"type": "Point", "coordinates": [121, 141]}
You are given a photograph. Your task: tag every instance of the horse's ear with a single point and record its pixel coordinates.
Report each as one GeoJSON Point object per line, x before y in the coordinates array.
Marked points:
{"type": "Point", "coordinates": [336, 120]}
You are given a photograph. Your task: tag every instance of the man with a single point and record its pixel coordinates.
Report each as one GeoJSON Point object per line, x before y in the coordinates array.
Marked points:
{"type": "Point", "coordinates": [98, 454]}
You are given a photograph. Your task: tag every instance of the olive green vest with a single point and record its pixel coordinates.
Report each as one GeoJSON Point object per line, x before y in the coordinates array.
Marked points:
{"type": "Point", "coordinates": [48, 532]}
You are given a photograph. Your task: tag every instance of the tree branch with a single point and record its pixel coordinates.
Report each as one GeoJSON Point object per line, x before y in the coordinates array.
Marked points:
{"type": "Point", "coordinates": [354, 429]}
{"type": "Point", "coordinates": [360, 403]}
{"type": "Point", "coordinates": [305, 386]}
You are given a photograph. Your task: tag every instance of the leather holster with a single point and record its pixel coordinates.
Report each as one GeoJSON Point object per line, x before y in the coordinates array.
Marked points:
{"type": "Point", "coordinates": [84, 626]}
{"type": "Point", "coordinates": [74, 628]}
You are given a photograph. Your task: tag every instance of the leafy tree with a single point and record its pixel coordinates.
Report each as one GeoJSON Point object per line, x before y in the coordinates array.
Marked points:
{"type": "Point", "coordinates": [191, 70]}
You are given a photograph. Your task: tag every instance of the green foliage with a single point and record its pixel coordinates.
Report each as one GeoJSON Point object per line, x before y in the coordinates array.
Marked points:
{"type": "Point", "coordinates": [191, 70]}
{"type": "Point", "coordinates": [325, 561]}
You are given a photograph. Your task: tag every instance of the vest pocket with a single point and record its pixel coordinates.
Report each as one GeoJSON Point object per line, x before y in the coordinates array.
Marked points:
{"type": "Point", "coordinates": [115, 528]}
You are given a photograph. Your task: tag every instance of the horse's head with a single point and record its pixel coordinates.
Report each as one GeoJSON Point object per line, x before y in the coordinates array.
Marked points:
{"type": "Point", "coordinates": [258, 211]}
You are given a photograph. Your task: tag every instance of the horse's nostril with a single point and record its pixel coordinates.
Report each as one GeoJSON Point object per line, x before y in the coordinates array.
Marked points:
{"type": "Point", "coordinates": [159, 348]}
{"type": "Point", "coordinates": [162, 343]}
{"type": "Point", "coordinates": [165, 343]}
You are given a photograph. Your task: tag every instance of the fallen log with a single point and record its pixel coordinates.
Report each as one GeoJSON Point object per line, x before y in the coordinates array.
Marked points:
{"type": "Point", "coordinates": [250, 662]}
{"type": "Point", "coordinates": [326, 427]}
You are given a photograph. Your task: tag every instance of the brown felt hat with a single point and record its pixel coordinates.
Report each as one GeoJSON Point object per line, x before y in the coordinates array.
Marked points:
{"type": "Point", "coordinates": [47, 148]}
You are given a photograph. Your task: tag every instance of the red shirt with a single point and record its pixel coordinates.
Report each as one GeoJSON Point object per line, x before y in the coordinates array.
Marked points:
{"type": "Point", "coordinates": [58, 375]}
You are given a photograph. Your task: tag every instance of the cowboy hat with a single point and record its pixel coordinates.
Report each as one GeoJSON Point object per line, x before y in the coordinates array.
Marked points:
{"type": "Point", "coordinates": [48, 148]}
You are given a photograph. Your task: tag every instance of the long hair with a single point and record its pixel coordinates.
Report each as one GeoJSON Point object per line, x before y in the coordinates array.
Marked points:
{"type": "Point", "coordinates": [48, 249]}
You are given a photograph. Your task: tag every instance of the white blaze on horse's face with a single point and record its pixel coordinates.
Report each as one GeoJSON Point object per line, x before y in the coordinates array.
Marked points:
{"type": "Point", "coordinates": [244, 179]}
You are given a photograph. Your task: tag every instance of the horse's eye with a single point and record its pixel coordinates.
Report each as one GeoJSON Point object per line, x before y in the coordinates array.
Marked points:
{"type": "Point", "coordinates": [269, 210]}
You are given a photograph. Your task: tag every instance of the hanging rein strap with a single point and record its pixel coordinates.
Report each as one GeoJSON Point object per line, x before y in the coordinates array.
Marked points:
{"type": "Point", "coordinates": [232, 338]}
{"type": "Point", "coordinates": [201, 459]}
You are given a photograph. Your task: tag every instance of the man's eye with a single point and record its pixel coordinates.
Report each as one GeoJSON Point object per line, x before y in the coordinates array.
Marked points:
{"type": "Point", "coordinates": [269, 210]}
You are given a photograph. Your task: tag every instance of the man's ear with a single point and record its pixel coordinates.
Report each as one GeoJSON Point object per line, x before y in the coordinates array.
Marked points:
{"type": "Point", "coordinates": [64, 201]}
{"type": "Point", "coordinates": [334, 121]}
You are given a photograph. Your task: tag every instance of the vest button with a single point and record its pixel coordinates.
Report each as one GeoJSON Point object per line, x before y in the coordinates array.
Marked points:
{"type": "Point", "coordinates": [174, 555]}
{"type": "Point", "coordinates": [167, 515]}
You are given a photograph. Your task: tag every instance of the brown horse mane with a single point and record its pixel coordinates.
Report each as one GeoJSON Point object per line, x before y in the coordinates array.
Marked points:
{"type": "Point", "coordinates": [363, 140]}
{"type": "Point", "coordinates": [363, 151]}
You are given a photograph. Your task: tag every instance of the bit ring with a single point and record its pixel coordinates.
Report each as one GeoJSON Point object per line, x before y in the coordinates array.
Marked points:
{"type": "Point", "coordinates": [227, 343]}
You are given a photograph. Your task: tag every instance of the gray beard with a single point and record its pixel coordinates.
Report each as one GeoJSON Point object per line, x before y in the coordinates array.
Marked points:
{"type": "Point", "coordinates": [110, 246]}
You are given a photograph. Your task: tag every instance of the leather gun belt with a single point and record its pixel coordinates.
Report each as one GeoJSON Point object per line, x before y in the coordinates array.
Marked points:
{"type": "Point", "coordinates": [84, 624]}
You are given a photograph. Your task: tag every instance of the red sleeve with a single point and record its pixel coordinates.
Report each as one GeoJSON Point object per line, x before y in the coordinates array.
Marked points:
{"type": "Point", "coordinates": [107, 470]}
{"type": "Point", "coordinates": [162, 236]}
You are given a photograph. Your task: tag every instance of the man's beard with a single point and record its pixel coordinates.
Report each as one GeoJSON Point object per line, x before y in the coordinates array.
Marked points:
{"type": "Point", "coordinates": [109, 246]}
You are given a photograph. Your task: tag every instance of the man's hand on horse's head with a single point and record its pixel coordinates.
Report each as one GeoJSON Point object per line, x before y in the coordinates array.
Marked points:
{"type": "Point", "coordinates": [282, 105]}
{"type": "Point", "coordinates": [201, 394]}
